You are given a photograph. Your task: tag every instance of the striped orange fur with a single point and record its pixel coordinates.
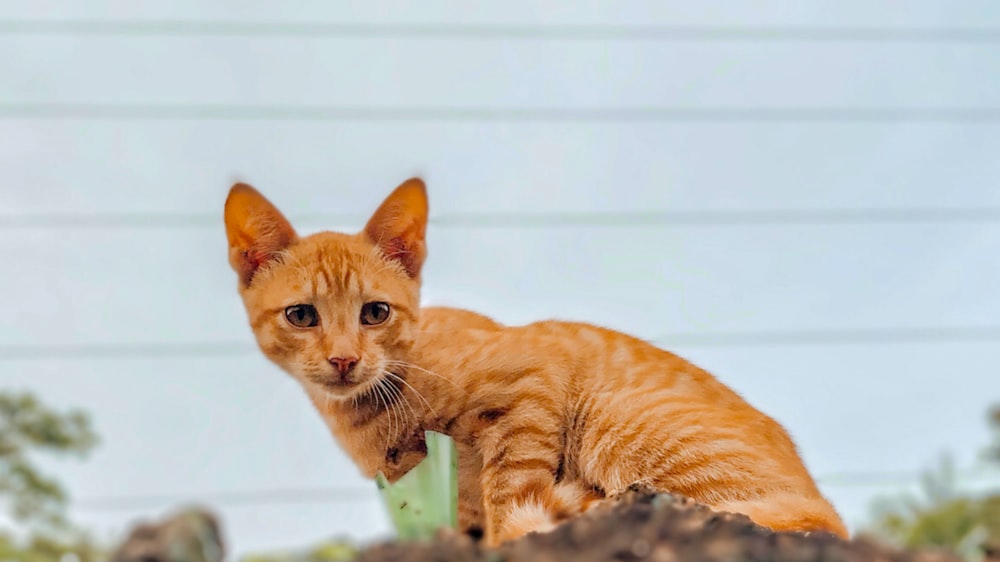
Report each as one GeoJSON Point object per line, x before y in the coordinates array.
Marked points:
{"type": "Point", "coordinates": [549, 417]}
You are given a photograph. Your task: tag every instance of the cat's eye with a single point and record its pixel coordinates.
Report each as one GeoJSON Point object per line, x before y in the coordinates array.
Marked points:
{"type": "Point", "coordinates": [373, 313]}
{"type": "Point", "coordinates": [302, 315]}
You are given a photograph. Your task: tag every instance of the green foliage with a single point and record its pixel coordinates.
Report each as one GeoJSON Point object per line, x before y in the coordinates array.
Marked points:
{"type": "Point", "coordinates": [48, 549]}
{"type": "Point", "coordinates": [943, 517]}
{"type": "Point", "coordinates": [329, 551]}
{"type": "Point", "coordinates": [26, 426]}
{"type": "Point", "coordinates": [961, 524]}
{"type": "Point", "coordinates": [332, 552]}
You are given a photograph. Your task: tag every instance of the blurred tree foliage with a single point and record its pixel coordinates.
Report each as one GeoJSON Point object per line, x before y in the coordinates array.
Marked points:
{"type": "Point", "coordinates": [329, 551]}
{"type": "Point", "coordinates": [30, 497]}
{"type": "Point", "coordinates": [943, 517]}
{"type": "Point", "coordinates": [47, 548]}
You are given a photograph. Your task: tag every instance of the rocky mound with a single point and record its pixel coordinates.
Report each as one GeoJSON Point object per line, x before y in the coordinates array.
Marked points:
{"type": "Point", "coordinates": [657, 528]}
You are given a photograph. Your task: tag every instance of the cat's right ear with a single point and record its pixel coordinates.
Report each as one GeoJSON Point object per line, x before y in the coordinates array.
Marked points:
{"type": "Point", "coordinates": [256, 230]}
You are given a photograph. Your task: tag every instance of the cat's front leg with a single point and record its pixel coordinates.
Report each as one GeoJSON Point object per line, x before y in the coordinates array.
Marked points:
{"type": "Point", "coordinates": [470, 499]}
{"type": "Point", "coordinates": [520, 447]}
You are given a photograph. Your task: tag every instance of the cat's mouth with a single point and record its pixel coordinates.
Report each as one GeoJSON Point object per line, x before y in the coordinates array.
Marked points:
{"type": "Point", "coordinates": [343, 387]}
{"type": "Point", "coordinates": [337, 386]}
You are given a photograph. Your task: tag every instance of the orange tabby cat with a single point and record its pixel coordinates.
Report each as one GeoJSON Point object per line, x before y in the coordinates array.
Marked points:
{"type": "Point", "coordinates": [548, 417]}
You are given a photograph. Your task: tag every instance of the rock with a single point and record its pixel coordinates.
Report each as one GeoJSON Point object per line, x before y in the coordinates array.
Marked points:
{"type": "Point", "coordinates": [191, 535]}
{"type": "Point", "coordinates": [991, 550]}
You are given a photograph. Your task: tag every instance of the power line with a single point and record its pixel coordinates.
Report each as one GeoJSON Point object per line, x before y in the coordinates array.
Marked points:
{"type": "Point", "coordinates": [277, 112]}
{"type": "Point", "coordinates": [117, 351]}
{"type": "Point", "coordinates": [321, 494]}
{"type": "Point", "coordinates": [244, 497]}
{"type": "Point", "coordinates": [874, 336]}
{"type": "Point", "coordinates": [144, 220]}
{"type": "Point", "coordinates": [713, 218]}
{"type": "Point", "coordinates": [513, 31]}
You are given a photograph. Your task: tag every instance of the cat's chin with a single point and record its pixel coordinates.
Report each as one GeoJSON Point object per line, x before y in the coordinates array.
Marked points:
{"type": "Point", "coordinates": [337, 390]}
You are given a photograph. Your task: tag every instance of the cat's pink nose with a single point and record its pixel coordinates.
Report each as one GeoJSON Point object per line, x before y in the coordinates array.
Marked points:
{"type": "Point", "coordinates": [344, 365]}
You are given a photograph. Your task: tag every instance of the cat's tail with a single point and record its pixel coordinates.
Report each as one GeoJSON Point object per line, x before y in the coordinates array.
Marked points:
{"type": "Point", "coordinates": [566, 500]}
{"type": "Point", "coordinates": [789, 512]}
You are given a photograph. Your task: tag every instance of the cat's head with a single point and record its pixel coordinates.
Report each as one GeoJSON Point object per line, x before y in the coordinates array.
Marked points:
{"type": "Point", "coordinates": [336, 311]}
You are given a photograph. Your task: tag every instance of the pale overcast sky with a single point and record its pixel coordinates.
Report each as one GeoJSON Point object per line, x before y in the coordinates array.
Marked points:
{"type": "Point", "coordinates": [839, 268]}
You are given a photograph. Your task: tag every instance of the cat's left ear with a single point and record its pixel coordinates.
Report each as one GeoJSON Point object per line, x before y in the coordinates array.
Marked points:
{"type": "Point", "coordinates": [256, 230]}
{"type": "Point", "coordinates": [399, 226]}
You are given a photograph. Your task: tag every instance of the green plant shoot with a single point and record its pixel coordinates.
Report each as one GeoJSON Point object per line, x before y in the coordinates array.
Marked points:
{"type": "Point", "coordinates": [424, 499]}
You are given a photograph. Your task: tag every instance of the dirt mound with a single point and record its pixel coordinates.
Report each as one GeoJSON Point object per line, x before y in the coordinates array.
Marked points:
{"type": "Point", "coordinates": [657, 528]}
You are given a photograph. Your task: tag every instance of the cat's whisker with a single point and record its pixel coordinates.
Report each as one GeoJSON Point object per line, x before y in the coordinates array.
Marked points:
{"type": "Point", "coordinates": [403, 414]}
{"type": "Point", "coordinates": [397, 392]}
{"type": "Point", "coordinates": [396, 415]}
{"type": "Point", "coordinates": [416, 417]}
{"type": "Point", "coordinates": [391, 406]}
{"type": "Point", "coordinates": [415, 391]}
{"type": "Point", "coordinates": [406, 401]}
{"type": "Point", "coordinates": [377, 390]}
{"type": "Point", "coordinates": [427, 371]}
{"type": "Point", "coordinates": [397, 421]}
{"type": "Point", "coordinates": [397, 409]}
{"type": "Point", "coordinates": [406, 365]}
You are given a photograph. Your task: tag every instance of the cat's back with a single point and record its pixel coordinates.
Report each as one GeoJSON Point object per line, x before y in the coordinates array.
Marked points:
{"type": "Point", "coordinates": [439, 323]}
{"type": "Point", "coordinates": [624, 380]}
{"type": "Point", "coordinates": [619, 368]}
{"type": "Point", "coordinates": [443, 319]}
{"type": "Point", "coordinates": [620, 357]}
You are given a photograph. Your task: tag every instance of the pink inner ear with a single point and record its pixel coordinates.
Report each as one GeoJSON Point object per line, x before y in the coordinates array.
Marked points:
{"type": "Point", "coordinates": [397, 249]}
{"type": "Point", "coordinates": [394, 248]}
{"type": "Point", "coordinates": [251, 262]}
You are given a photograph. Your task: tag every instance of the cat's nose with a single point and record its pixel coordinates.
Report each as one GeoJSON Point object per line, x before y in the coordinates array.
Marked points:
{"type": "Point", "coordinates": [344, 365]}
